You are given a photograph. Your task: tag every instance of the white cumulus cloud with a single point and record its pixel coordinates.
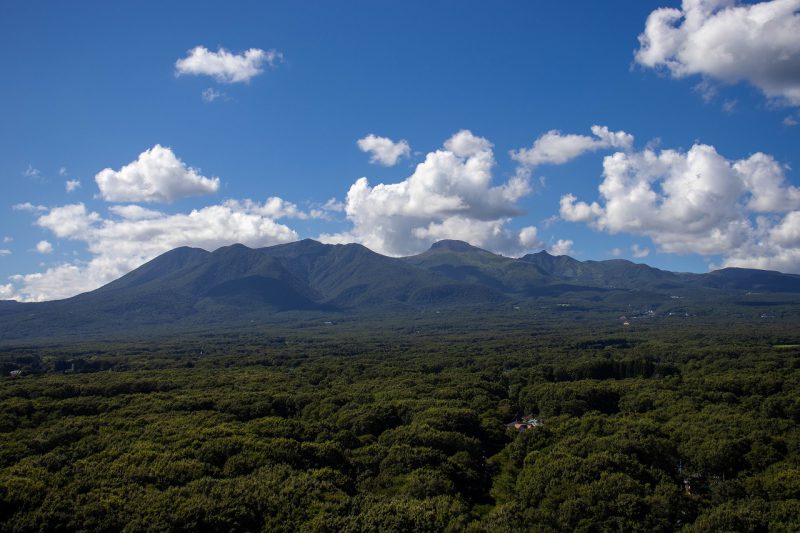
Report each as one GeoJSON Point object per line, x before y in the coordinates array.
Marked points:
{"type": "Point", "coordinates": [698, 202]}
{"type": "Point", "coordinates": [224, 66]}
{"type": "Point", "coordinates": [728, 42]}
{"type": "Point", "coordinates": [450, 195]}
{"type": "Point", "coordinates": [575, 211]}
{"type": "Point", "coordinates": [156, 176]}
{"type": "Point", "coordinates": [44, 247]}
{"type": "Point", "coordinates": [383, 150]}
{"type": "Point", "coordinates": [72, 185]}
{"type": "Point", "coordinates": [529, 238]}
{"type": "Point", "coordinates": [71, 221]}
{"type": "Point", "coordinates": [562, 247]}
{"type": "Point", "coordinates": [6, 291]}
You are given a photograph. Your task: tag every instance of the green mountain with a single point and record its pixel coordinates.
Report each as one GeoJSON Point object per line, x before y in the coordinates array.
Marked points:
{"type": "Point", "coordinates": [611, 274]}
{"type": "Point", "coordinates": [351, 276]}
{"type": "Point", "coordinates": [464, 263]}
{"type": "Point", "coordinates": [752, 280]}
{"type": "Point", "coordinates": [307, 280]}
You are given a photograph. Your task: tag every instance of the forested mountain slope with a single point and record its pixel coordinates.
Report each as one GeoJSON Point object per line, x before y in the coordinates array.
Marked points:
{"type": "Point", "coordinates": [237, 285]}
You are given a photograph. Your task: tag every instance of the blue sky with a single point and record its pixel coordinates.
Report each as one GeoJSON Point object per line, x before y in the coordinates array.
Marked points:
{"type": "Point", "coordinates": [95, 85]}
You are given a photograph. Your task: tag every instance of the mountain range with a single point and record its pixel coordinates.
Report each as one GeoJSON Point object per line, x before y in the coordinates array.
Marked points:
{"type": "Point", "coordinates": [190, 287]}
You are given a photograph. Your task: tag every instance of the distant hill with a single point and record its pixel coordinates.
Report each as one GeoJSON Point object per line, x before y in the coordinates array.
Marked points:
{"type": "Point", "coordinates": [612, 274]}
{"type": "Point", "coordinates": [310, 280]}
{"type": "Point", "coordinates": [746, 279]}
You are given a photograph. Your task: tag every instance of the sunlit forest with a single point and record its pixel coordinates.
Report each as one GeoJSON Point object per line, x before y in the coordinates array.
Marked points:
{"type": "Point", "coordinates": [333, 428]}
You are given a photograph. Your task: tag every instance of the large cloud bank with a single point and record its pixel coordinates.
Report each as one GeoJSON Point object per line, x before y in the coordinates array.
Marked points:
{"type": "Point", "coordinates": [699, 202]}
{"type": "Point", "coordinates": [449, 195]}
{"type": "Point", "coordinates": [728, 42]}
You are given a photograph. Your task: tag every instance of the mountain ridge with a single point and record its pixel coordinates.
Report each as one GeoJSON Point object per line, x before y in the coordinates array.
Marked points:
{"type": "Point", "coordinates": [236, 284]}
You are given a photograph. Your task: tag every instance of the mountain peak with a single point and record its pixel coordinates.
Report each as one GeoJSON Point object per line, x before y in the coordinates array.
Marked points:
{"type": "Point", "coordinates": [453, 246]}
{"type": "Point", "coordinates": [301, 246]}
{"type": "Point", "coordinates": [231, 248]}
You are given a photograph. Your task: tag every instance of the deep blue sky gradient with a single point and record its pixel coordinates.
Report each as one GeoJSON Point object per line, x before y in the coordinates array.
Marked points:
{"type": "Point", "coordinates": [90, 85]}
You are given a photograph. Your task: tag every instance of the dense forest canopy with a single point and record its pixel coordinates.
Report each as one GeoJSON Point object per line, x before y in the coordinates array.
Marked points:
{"type": "Point", "coordinates": [336, 428]}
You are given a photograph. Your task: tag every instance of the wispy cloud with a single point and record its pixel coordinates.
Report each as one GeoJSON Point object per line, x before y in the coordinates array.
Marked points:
{"type": "Point", "coordinates": [211, 94]}
{"type": "Point", "coordinates": [27, 206]}
{"type": "Point", "coordinates": [333, 205]}
{"type": "Point", "coordinates": [32, 172]}
{"type": "Point", "coordinates": [639, 251]}
{"type": "Point", "coordinates": [556, 148]}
